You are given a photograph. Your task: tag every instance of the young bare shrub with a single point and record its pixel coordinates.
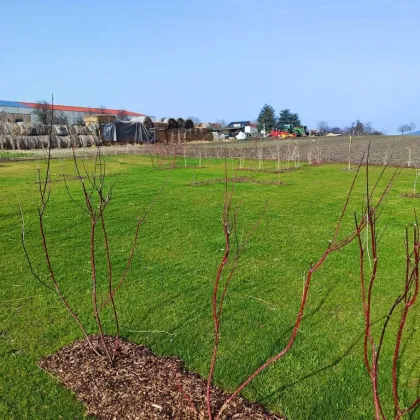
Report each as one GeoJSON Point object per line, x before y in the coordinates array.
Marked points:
{"type": "Point", "coordinates": [97, 194]}
{"type": "Point", "coordinates": [228, 265]}
{"type": "Point", "coordinates": [404, 302]}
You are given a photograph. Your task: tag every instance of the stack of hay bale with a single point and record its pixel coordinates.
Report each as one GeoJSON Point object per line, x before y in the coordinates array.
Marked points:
{"type": "Point", "coordinates": [27, 136]}
{"type": "Point", "coordinates": [178, 130]}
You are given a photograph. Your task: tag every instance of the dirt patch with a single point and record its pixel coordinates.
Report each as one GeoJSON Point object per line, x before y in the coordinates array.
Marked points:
{"type": "Point", "coordinates": [237, 179]}
{"type": "Point", "coordinates": [141, 385]}
{"type": "Point", "coordinates": [269, 171]}
{"type": "Point", "coordinates": [168, 167]}
{"type": "Point", "coordinates": [410, 195]}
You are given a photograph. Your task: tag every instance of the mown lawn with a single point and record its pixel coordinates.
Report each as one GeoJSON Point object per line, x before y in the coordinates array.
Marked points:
{"type": "Point", "coordinates": [170, 284]}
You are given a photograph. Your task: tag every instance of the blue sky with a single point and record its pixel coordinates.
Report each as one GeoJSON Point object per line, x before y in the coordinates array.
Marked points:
{"type": "Point", "coordinates": [327, 60]}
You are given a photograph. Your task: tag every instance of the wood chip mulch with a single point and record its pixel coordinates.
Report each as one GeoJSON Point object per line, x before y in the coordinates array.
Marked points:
{"type": "Point", "coordinates": [140, 385]}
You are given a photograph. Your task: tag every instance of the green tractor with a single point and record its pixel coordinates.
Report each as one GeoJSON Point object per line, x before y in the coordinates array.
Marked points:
{"type": "Point", "coordinates": [298, 130]}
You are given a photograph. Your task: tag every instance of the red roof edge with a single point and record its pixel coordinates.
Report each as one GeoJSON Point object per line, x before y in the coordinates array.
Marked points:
{"type": "Point", "coordinates": [88, 110]}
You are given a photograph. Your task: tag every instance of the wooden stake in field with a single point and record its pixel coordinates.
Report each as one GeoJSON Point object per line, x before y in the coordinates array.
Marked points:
{"type": "Point", "coordinates": [278, 157]}
{"type": "Point", "coordinates": [415, 180]}
{"type": "Point", "coordinates": [349, 166]}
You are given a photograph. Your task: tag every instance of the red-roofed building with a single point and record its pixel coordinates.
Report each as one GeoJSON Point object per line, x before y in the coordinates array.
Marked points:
{"type": "Point", "coordinates": [73, 113]}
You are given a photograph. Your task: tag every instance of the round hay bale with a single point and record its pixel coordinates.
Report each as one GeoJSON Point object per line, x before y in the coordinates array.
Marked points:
{"type": "Point", "coordinates": [40, 129]}
{"type": "Point", "coordinates": [87, 141]}
{"type": "Point", "coordinates": [14, 129]}
{"type": "Point", "coordinates": [4, 129]}
{"type": "Point", "coordinates": [34, 142]}
{"type": "Point", "coordinates": [146, 121]}
{"type": "Point", "coordinates": [74, 140]}
{"type": "Point", "coordinates": [25, 129]}
{"type": "Point", "coordinates": [73, 129]}
{"type": "Point", "coordinates": [189, 124]}
{"type": "Point", "coordinates": [21, 143]}
{"type": "Point", "coordinates": [61, 130]}
{"type": "Point", "coordinates": [203, 125]}
{"type": "Point", "coordinates": [54, 142]}
{"type": "Point", "coordinates": [170, 121]}
{"type": "Point", "coordinates": [65, 142]}
{"type": "Point", "coordinates": [43, 141]}
{"type": "Point", "coordinates": [11, 142]}
{"type": "Point", "coordinates": [180, 122]}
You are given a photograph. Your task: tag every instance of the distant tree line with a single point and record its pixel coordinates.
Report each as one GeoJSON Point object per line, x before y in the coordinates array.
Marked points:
{"type": "Point", "coordinates": [407, 128]}
{"type": "Point", "coordinates": [357, 128]}
{"type": "Point", "coordinates": [267, 118]}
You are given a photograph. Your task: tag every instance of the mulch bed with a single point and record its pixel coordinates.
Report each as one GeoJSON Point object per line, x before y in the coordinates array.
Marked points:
{"type": "Point", "coordinates": [237, 179]}
{"type": "Point", "coordinates": [141, 385]}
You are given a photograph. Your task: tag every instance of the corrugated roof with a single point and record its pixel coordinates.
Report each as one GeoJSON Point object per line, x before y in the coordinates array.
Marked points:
{"type": "Point", "coordinates": [13, 104]}
{"type": "Point", "coordinates": [87, 110]}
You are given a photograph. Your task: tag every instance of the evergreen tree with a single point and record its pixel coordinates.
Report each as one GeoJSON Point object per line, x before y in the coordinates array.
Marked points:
{"type": "Point", "coordinates": [267, 118]}
{"type": "Point", "coordinates": [287, 117]}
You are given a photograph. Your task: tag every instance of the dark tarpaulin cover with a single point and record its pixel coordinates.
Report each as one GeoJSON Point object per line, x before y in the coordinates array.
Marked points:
{"type": "Point", "coordinates": [127, 131]}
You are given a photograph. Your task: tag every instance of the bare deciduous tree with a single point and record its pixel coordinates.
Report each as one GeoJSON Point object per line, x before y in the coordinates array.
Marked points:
{"type": "Point", "coordinates": [323, 126]}
{"type": "Point", "coordinates": [195, 120]}
{"type": "Point", "coordinates": [44, 114]}
{"type": "Point", "coordinates": [97, 194]}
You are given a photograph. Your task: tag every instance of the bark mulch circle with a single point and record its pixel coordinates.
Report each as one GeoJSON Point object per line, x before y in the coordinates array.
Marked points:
{"type": "Point", "coordinates": [141, 385]}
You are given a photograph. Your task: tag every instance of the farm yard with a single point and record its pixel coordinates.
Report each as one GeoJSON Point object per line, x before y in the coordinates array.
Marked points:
{"type": "Point", "coordinates": [165, 303]}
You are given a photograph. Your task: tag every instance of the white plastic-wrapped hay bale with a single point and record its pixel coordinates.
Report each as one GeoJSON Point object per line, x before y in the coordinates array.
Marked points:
{"type": "Point", "coordinates": [60, 130]}
{"type": "Point", "coordinates": [170, 121]}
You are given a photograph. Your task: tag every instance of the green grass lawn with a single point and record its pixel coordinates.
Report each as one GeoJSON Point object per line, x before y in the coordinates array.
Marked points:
{"type": "Point", "coordinates": [170, 284]}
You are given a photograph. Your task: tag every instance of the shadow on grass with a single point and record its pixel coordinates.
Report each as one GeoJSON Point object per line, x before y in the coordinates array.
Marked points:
{"type": "Point", "coordinates": [331, 365]}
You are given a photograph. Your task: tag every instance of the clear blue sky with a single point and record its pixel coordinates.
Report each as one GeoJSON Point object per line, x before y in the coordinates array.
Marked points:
{"type": "Point", "coordinates": [327, 60]}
